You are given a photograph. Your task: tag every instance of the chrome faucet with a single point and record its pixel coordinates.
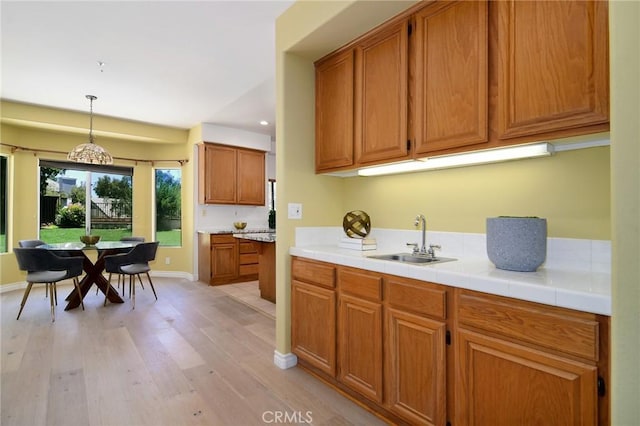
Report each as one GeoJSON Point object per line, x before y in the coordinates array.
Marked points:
{"type": "Point", "coordinates": [423, 251]}
{"type": "Point", "coordinates": [421, 220]}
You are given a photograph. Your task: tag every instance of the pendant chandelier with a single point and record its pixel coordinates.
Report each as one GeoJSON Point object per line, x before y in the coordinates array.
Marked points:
{"type": "Point", "coordinates": [90, 152]}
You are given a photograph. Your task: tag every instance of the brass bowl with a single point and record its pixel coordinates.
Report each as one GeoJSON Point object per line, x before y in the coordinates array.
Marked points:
{"type": "Point", "coordinates": [90, 240]}
{"type": "Point", "coordinates": [240, 225]}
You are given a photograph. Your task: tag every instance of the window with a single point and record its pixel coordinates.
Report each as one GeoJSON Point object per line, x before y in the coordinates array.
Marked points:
{"type": "Point", "coordinates": [76, 199]}
{"type": "Point", "coordinates": [4, 177]}
{"type": "Point", "coordinates": [168, 199]}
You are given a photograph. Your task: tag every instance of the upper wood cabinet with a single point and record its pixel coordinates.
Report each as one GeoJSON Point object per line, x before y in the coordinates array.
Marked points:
{"type": "Point", "coordinates": [455, 76]}
{"type": "Point", "coordinates": [334, 111]}
{"type": "Point", "coordinates": [381, 93]}
{"type": "Point", "coordinates": [552, 66]}
{"type": "Point", "coordinates": [230, 175]}
{"type": "Point", "coordinates": [251, 177]}
{"type": "Point", "coordinates": [451, 75]}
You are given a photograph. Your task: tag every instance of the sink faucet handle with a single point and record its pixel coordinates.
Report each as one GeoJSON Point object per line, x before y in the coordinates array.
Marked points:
{"type": "Point", "coordinates": [432, 247]}
{"type": "Point", "coordinates": [415, 247]}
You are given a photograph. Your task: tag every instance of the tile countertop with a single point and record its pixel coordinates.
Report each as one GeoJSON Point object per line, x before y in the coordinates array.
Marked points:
{"type": "Point", "coordinates": [264, 237]}
{"type": "Point", "coordinates": [581, 290]}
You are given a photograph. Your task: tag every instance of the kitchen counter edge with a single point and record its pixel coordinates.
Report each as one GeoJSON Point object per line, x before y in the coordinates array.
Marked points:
{"type": "Point", "coordinates": [584, 291]}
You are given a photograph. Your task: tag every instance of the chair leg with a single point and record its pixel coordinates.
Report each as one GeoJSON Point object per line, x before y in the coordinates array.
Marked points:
{"type": "Point", "coordinates": [52, 289]}
{"type": "Point", "coordinates": [76, 283]}
{"type": "Point", "coordinates": [55, 293]}
{"type": "Point", "coordinates": [132, 288]}
{"type": "Point", "coordinates": [24, 298]}
{"type": "Point", "coordinates": [152, 287]}
{"type": "Point", "coordinates": [109, 280]}
{"type": "Point", "coordinates": [46, 290]}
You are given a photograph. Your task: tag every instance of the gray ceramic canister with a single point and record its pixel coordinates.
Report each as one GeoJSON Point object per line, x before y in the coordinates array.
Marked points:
{"type": "Point", "coordinates": [517, 243]}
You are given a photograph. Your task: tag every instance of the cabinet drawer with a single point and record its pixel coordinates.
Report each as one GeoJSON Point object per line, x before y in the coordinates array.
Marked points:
{"type": "Point", "coordinates": [360, 283]}
{"type": "Point", "coordinates": [248, 259]}
{"type": "Point", "coordinates": [318, 273]}
{"type": "Point", "coordinates": [223, 239]}
{"type": "Point", "coordinates": [571, 332]}
{"type": "Point", "coordinates": [417, 296]}
{"type": "Point", "coordinates": [244, 270]}
{"type": "Point", "coordinates": [247, 247]}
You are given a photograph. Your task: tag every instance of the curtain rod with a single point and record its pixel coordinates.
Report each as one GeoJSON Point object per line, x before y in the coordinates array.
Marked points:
{"type": "Point", "coordinates": [15, 148]}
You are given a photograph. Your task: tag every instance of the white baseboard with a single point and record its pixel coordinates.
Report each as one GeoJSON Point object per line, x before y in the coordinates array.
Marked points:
{"type": "Point", "coordinates": [172, 274]}
{"type": "Point", "coordinates": [284, 361]}
{"type": "Point", "coordinates": [13, 286]}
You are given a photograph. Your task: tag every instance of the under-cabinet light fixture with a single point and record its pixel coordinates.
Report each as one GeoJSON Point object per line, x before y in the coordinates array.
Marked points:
{"type": "Point", "coordinates": [465, 159]}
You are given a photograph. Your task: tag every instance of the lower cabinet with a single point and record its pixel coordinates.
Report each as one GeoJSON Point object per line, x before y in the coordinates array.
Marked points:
{"type": "Point", "coordinates": [423, 353]}
{"type": "Point", "coordinates": [503, 383]}
{"type": "Point", "coordinates": [415, 332]}
{"type": "Point", "coordinates": [224, 259]}
{"type": "Point", "coordinates": [360, 331]}
{"type": "Point", "coordinates": [313, 304]}
{"type": "Point", "coordinates": [528, 364]}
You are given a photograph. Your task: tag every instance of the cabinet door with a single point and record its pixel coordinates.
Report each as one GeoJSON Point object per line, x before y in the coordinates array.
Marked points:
{"type": "Point", "coordinates": [360, 343]}
{"type": "Point", "coordinates": [552, 65]}
{"type": "Point", "coordinates": [334, 112]}
{"type": "Point", "coordinates": [382, 96]}
{"type": "Point", "coordinates": [224, 262]}
{"type": "Point", "coordinates": [313, 325]}
{"type": "Point", "coordinates": [416, 367]}
{"type": "Point", "coordinates": [220, 174]}
{"type": "Point", "coordinates": [251, 177]}
{"type": "Point", "coordinates": [451, 75]}
{"type": "Point", "coordinates": [500, 383]}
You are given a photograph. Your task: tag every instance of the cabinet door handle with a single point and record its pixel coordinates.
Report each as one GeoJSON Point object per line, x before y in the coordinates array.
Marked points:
{"type": "Point", "coordinates": [602, 387]}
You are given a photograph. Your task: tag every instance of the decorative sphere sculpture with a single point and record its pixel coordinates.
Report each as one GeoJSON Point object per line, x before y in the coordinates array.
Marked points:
{"type": "Point", "coordinates": [356, 224]}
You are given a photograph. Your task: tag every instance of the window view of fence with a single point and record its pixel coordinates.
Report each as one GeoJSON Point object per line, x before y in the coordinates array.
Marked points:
{"type": "Point", "coordinates": [84, 199]}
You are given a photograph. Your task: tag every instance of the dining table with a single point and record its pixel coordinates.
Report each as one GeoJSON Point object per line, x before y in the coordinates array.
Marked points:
{"type": "Point", "coordinates": [93, 270]}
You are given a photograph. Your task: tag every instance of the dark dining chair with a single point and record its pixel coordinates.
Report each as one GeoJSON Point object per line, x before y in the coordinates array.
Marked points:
{"type": "Point", "coordinates": [43, 266]}
{"type": "Point", "coordinates": [134, 263]}
{"type": "Point", "coordinates": [32, 244]}
{"type": "Point", "coordinates": [129, 239]}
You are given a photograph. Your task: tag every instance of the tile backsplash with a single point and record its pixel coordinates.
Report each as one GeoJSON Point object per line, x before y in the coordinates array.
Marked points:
{"type": "Point", "coordinates": [562, 253]}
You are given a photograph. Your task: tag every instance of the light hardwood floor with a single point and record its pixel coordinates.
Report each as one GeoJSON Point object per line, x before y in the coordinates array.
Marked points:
{"type": "Point", "coordinates": [197, 356]}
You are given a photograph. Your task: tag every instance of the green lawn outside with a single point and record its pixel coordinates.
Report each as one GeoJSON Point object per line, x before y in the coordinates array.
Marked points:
{"type": "Point", "coordinates": [62, 235]}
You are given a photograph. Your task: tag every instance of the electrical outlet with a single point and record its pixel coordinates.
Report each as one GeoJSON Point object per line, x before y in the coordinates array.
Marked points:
{"type": "Point", "coordinates": [295, 211]}
{"type": "Point", "coordinates": [167, 261]}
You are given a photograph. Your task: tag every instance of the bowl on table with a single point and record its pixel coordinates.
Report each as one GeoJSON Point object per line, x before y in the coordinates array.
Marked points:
{"type": "Point", "coordinates": [240, 225]}
{"type": "Point", "coordinates": [90, 240]}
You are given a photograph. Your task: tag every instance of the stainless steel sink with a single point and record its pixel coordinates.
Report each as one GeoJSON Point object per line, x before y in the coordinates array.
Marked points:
{"type": "Point", "coordinates": [411, 258]}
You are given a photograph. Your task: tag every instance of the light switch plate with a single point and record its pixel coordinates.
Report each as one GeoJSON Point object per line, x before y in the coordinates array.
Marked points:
{"type": "Point", "coordinates": [294, 211]}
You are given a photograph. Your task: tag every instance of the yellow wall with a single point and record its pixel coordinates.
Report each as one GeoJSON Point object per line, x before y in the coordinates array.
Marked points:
{"type": "Point", "coordinates": [625, 178]}
{"type": "Point", "coordinates": [572, 189]}
{"type": "Point", "coordinates": [33, 134]}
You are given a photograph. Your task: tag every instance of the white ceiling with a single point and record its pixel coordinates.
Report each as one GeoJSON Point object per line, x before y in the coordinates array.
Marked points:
{"type": "Point", "coordinates": [173, 63]}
